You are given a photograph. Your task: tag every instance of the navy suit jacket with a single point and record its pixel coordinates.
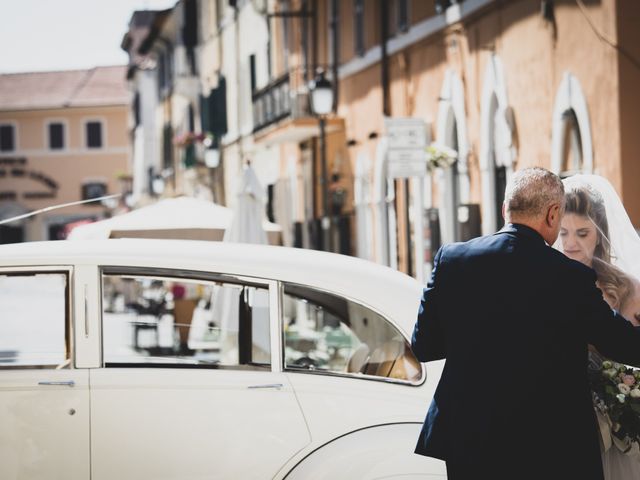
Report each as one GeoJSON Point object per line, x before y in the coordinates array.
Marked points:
{"type": "Point", "coordinates": [513, 318]}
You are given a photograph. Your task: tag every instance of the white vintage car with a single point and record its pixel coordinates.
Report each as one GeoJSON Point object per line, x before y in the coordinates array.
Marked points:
{"type": "Point", "coordinates": [165, 359]}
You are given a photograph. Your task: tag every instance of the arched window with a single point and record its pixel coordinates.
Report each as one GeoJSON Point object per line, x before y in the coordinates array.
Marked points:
{"type": "Point", "coordinates": [362, 201]}
{"type": "Point", "coordinates": [571, 146]}
{"type": "Point", "coordinates": [497, 152]}
{"type": "Point", "coordinates": [383, 196]}
{"type": "Point", "coordinates": [453, 181]}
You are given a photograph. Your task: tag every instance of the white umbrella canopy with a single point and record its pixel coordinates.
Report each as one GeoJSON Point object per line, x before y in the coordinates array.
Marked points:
{"type": "Point", "coordinates": [247, 225]}
{"type": "Point", "coordinates": [179, 218]}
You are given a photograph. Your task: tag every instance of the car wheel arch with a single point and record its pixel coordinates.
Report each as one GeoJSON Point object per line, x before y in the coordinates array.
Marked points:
{"type": "Point", "coordinates": [386, 449]}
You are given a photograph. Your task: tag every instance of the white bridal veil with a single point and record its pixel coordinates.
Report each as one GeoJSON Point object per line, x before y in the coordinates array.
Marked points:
{"type": "Point", "coordinates": [622, 237]}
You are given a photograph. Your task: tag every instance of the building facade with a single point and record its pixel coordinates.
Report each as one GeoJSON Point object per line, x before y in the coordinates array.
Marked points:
{"type": "Point", "coordinates": [63, 138]}
{"type": "Point", "coordinates": [501, 84]}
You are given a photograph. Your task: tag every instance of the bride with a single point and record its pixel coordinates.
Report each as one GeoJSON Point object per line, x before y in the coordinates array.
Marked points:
{"type": "Point", "coordinates": [596, 231]}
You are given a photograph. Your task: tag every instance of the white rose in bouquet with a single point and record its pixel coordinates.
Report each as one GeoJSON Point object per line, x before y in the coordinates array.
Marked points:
{"type": "Point", "coordinates": [625, 389]}
{"type": "Point", "coordinates": [635, 393]}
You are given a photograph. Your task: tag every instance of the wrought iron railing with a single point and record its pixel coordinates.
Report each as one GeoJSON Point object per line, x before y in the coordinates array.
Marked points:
{"type": "Point", "coordinates": [272, 103]}
{"type": "Point", "coordinates": [287, 96]}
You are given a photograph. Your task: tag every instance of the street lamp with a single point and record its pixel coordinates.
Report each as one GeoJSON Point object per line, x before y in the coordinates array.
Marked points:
{"type": "Point", "coordinates": [321, 94]}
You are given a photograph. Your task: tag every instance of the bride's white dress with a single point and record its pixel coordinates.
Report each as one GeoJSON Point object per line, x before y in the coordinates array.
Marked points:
{"type": "Point", "coordinates": [618, 466]}
{"type": "Point", "coordinates": [625, 250]}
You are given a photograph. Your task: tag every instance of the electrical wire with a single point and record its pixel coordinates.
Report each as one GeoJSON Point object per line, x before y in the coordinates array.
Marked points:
{"type": "Point", "coordinates": [604, 39]}
{"type": "Point", "coordinates": [56, 207]}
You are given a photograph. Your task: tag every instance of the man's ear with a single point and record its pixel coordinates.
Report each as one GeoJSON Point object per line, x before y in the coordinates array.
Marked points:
{"type": "Point", "coordinates": [553, 215]}
{"type": "Point", "coordinates": [504, 211]}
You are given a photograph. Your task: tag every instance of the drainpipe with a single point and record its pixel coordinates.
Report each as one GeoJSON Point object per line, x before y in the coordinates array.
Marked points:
{"type": "Point", "coordinates": [384, 31]}
{"type": "Point", "coordinates": [236, 17]}
{"type": "Point", "coordinates": [336, 51]}
{"type": "Point", "coordinates": [314, 39]}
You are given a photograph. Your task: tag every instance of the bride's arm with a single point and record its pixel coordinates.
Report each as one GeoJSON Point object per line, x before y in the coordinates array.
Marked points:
{"type": "Point", "coordinates": [607, 331]}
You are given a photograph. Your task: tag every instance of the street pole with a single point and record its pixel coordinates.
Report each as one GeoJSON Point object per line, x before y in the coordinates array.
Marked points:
{"type": "Point", "coordinates": [326, 215]}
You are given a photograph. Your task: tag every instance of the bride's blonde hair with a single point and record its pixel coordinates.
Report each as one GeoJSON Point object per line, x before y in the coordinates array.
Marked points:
{"type": "Point", "coordinates": [616, 285]}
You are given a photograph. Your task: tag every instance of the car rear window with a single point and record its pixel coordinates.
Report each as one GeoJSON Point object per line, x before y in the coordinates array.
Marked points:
{"type": "Point", "coordinates": [328, 333]}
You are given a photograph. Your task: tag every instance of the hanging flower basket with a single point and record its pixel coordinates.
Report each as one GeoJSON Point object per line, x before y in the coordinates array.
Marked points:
{"type": "Point", "coordinates": [187, 139]}
{"type": "Point", "coordinates": [440, 156]}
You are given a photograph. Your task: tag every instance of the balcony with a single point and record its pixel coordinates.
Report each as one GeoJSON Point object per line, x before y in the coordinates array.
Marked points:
{"type": "Point", "coordinates": [284, 97]}
{"type": "Point", "coordinates": [272, 103]}
{"type": "Point", "coordinates": [281, 111]}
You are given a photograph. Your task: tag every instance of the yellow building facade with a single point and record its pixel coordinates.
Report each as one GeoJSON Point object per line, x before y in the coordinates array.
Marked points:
{"type": "Point", "coordinates": [63, 138]}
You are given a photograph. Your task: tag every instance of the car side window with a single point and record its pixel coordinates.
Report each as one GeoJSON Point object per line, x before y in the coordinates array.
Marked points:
{"type": "Point", "coordinates": [325, 332]}
{"type": "Point", "coordinates": [34, 321]}
{"type": "Point", "coordinates": [157, 320]}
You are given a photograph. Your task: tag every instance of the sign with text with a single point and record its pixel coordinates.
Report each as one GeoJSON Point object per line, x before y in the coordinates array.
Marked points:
{"type": "Point", "coordinates": [406, 155]}
{"type": "Point", "coordinates": [406, 163]}
{"type": "Point", "coordinates": [406, 132]}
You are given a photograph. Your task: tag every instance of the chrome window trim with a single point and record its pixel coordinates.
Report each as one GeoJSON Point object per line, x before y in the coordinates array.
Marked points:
{"type": "Point", "coordinates": [67, 270]}
{"type": "Point", "coordinates": [423, 376]}
{"type": "Point", "coordinates": [173, 273]}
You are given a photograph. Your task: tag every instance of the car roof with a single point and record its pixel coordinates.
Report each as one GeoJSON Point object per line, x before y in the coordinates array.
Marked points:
{"type": "Point", "coordinates": [391, 292]}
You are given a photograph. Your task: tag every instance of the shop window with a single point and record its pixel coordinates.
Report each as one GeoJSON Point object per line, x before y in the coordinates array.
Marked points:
{"type": "Point", "coordinates": [92, 190]}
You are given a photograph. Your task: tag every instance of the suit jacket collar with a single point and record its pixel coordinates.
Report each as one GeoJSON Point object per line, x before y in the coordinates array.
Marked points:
{"type": "Point", "coordinates": [523, 231]}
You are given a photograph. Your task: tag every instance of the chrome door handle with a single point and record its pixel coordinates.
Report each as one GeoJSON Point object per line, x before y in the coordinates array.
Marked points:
{"type": "Point", "coordinates": [269, 385]}
{"type": "Point", "coordinates": [68, 383]}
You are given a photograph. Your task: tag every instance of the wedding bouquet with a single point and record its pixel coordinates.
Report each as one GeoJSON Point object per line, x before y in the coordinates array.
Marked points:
{"type": "Point", "coordinates": [616, 392]}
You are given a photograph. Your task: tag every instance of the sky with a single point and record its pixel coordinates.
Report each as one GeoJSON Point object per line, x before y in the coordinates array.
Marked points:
{"type": "Point", "coordinates": [39, 35]}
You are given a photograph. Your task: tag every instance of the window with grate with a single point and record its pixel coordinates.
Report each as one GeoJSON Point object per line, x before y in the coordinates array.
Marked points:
{"type": "Point", "coordinates": [358, 30]}
{"type": "Point", "coordinates": [94, 134]}
{"type": "Point", "coordinates": [7, 138]}
{"type": "Point", "coordinates": [56, 136]}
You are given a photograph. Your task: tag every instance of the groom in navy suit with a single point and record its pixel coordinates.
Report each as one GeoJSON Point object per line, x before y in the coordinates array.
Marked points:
{"type": "Point", "coordinates": [513, 318]}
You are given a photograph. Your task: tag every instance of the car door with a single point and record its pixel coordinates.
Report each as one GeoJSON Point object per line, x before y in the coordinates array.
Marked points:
{"type": "Point", "coordinates": [190, 385]}
{"type": "Point", "coordinates": [44, 398]}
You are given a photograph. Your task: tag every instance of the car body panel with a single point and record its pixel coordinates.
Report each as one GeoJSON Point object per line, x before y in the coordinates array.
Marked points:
{"type": "Point", "coordinates": [152, 421]}
{"type": "Point", "coordinates": [186, 424]}
{"type": "Point", "coordinates": [44, 429]}
{"type": "Point", "coordinates": [374, 453]}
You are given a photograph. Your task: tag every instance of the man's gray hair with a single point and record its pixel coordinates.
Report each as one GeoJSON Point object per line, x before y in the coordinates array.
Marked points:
{"type": "Point", "coordinates": [531, 191]}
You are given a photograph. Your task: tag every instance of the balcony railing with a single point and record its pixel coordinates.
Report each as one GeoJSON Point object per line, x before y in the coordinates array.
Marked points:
{"type": "Point", "coordinates": [285, 97]}
{"type": "Point", "coordinates": [272, 103]}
